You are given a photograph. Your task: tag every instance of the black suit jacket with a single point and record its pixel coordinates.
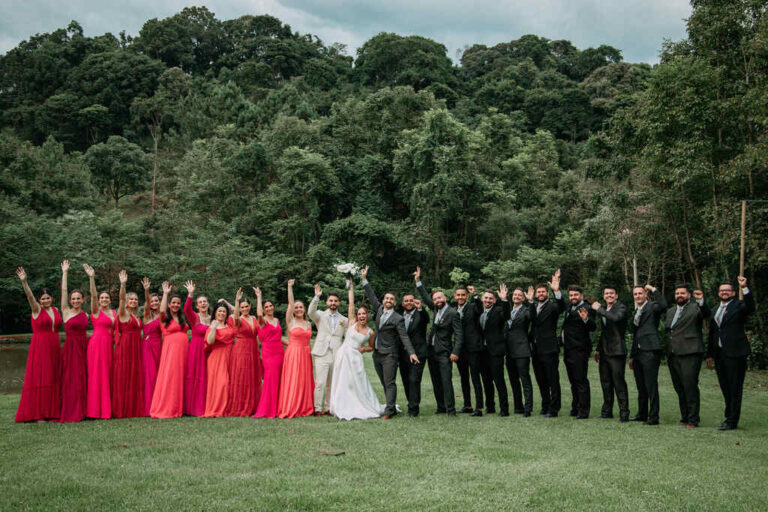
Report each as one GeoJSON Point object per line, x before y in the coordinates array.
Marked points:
{"type": "Point", "coordinates": [518, 332]}
{"type": "Point", "coordinates": [730, 333]}
{"type": "Point", "coordinates": [447, 335]}
{"type": "Point", "coordinates": [417, 331]}
{"type": "Point", "coordinates": [470, 323]}
{"type": "Point", "coordinates": [576, 332]}
{"type": "Point", "coordinates": [611, 340]}
{"type": "Point", "coordinates": [392, 333]}
{"type": "Point", "coordinates": [686, 336]}
{"type": "Point", "coordinates": [646, 335]}
{"type": "Point", "coordinates": [494, 334]}
{"type": "Point", "coordinates": [545, 326]}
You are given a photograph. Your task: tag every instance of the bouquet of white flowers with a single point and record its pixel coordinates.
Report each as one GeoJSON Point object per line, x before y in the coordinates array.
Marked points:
{"type": "Point", "coordinates": [349, 270]}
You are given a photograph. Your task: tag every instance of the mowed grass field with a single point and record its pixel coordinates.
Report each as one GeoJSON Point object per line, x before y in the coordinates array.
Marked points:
{"type": "Point", "coordinates": [428, 463]}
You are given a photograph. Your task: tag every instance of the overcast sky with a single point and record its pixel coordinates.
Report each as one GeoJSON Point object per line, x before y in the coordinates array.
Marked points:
{"type": "Point", "coordinates": [636, 27]}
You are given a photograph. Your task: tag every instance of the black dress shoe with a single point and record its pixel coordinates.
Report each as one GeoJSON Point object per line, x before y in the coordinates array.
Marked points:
{"type": "Point", "coordinates": [726, 426]}
{"type": "Point", "coordinates": [638, 418]}
{"type": "Point", "coordinates": [651, 422]}
{"type": "Point", "coordinates": [413, 415]}
{"type": "Point", "coordinates": [490, 411]}
{"type": "Point", "coordinates": [526, 414]}
{"type": "Point", "coordinates": [466, 410]}
{"type": "Point", "coordinates": [551, 415]}
{"type": "Point", "coordinates": [543, 412]}
{"type": "Point", "coordinates": [573, 413]}
{"type": "Point", "coordinates": [623, 419]}
{"type": "Point", "coordinates": [476, 414]}
{"type": "Point", "coordinates": [606, 416]}
{"type": "Point", "coordinates": [439, 412]}
{"type": "Point", "coordinates": [503, 413]}
{"type": "Point", "coordinates": [519, 411]}
{"type": "Point", "coordinates": [582, 417]}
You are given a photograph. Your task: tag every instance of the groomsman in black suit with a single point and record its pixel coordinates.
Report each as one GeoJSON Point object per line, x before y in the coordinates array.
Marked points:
{"type": "Point", "coordinates": [728, 347]}
{"type": "Point", "coordinates": [545, 345]}
{"type": "Point", "coordinates": [416, 320]}
{"type": "Point", "coordinates": [493, 320]}
{"type": "Point", "coordinates": [645, 354]}
{"type": "Point", "coordinates": [477, 353]}
{"type": "Point", "coordinates": [443, 347]}
{"type": "Point", "coordinates": [518, 349]}
{"type": "Point", "coordinates": [611, 353]}
{"type": "Point", "coordinates": [389, 328]}
{"type": "Point", "coordinates": [685, 348]}
{"type": "Point", "coordinates": [578, 324]}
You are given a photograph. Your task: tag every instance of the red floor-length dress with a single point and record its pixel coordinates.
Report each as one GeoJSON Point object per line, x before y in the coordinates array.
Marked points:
{"type": "Point", "coordinates": [195, 378]}
{"type": "Point", "coordinates": [41, 392]}
{"type": "Point", "coordinates": [127, 374]}
{"type": "Point", "coordinates": [272, 354]}
{"type": "Point", "coordinates": [219, 354]}
{"type": "Point", "coordinates": [244, 369]}
{"type": "Point", "coordinates": [99, 357]}
{"type": "Point", "coordinates": [297, 384]}
{"type": "Point", "coordinates": [74, 375]}
{"type": "Point", "coordinates": [168, 400]}
{"type": "Point", "coordinates": [150, 359]}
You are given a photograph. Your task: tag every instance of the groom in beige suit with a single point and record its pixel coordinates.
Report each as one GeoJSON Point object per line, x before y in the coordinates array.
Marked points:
{"type": "Point", "coordinates": [331, 326]}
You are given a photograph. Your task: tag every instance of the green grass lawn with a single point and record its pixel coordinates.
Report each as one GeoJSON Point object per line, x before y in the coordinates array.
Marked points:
{"type": "Point", "coordinates": [432, 463]}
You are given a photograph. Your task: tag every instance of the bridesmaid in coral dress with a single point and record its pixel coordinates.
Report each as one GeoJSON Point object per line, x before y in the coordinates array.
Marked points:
{"type": "Point", "coordinates": [41, 392]}
{"type": "Point", "coordinates": [168, 400]}
{"type": "Point", "coordinates": [297, 385]}
{"type": "Point", "coordinates": [245, 362]}
{"type": "Point", "coordinates": [219, 337]}
{"type": "Point", "coordinates": [99, 354]}
{"type": "Point", "coordinates": [272, 352]}
{"type": "Point", "coordinates": [127, 374]}
{"type": "Point", "coordinates": [195, 378]}
{"type": "Point", "coordinates": [74, 374]}
{"type": "Point", "coordinates": [152, 344]}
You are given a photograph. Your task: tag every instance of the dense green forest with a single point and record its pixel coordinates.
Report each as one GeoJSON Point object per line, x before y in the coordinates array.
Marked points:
{"type": "Point", "coordinates": [240, 153]}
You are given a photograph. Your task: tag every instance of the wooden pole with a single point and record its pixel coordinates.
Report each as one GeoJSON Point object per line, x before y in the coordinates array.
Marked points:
{"type": "Point", "coordinates": [741, 256]}
{"type": "Point", "coordinates": [635, 276]}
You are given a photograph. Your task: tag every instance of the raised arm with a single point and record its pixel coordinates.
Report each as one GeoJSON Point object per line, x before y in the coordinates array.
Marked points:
{"type": "Point", "coordinates": [123, 276]}
{"type": "Point", "coordinates": [189, 309]}
{"type": "Point", "coordinates": [64, 290]}
{"type": "Point", "coordinates": [422, 291]}
{"type": "Point", "coordinates": [147, 311]}
{"type": "Point", "coordinates": [375, 304]}
{"type": "Point", "coordinates": [351, 300]}
{"type": "Point", "coordinates": [164, 302]}
{"type": "Point", "coordinates": [210, 336]}
{"type": "Point", "coordinates": [236, 314]}
{"type": "Point", "coordinates": [289, 311]}
{"type": "Point", "coordinates": [92, 283]}
{"type": "Point", "coordinates": [659, 303]}
{"type": "Point", "coordinates": [312, 311]}
{"type": "Point", "coordinates": [28, 292]}
{"type": "Point", "coordinates": [259, 306]}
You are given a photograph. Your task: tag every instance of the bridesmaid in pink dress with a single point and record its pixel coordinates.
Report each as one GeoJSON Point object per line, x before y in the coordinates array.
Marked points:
{"type": "Point", "coordinates": [245, 362]}
{"type": "Point", "coordinates": [152, 345]}
{"type": "Point", "coordinates": [127, 374]}
{"type": "Point", "coordinates": [195, 380]}
{"type": "Point", "coordinates": [272, 352]}
{"type": "Point", "coordinates": [168, 400]}
{"type": "Point", "coordinates": [219, 338]}
{"type": "Point", "coordinates": [99, 354]}
{"type": "Point", "coordinates": [297, 385]}
{"type": "Point", "coordinates": [74, 394]}
{"type": "Point", "coordinates": [41, 392]}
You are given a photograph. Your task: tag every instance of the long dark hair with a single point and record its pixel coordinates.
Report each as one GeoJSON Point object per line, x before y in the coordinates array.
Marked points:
{"type": "Point", "coordinates": [168, 316]}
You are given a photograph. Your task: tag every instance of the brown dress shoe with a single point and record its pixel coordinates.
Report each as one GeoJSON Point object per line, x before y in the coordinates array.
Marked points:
{"type": "Point", "coordinates": [387, 417]}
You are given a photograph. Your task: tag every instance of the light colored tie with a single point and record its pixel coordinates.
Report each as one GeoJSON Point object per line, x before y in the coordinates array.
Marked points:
{"type": "Point", "coordinates": [540, 306]}
{"type": "Point", "coordinates": [384, 317]}
{"type": "Point", "coordinates": [638, 312]}
{"type": "Point", "coordinates": [515, 311]}
{"type": "Point", "coordinates": [438, 316]}
{"type": "Point", "coordinates": [677, 315]}
{"type": "Point", "coordinates": [484, 317]}
{"type": "Point", "coordinates": [407, 320]}
{"type": "Point", "coordinates": [333, 323]}
{"type": "Point", "coordinates": [720, 314]}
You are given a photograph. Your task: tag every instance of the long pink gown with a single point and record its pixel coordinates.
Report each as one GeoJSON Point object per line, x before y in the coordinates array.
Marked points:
{"type": "Point", "coordinates": [195, 380]}
{"type": "Point", "coordinates": [150, 359]}
{"type": "Point", "coordinates": [297, 383]}
{"type": "Point", "coordinates": [41, 392]}
{"type": "Point", "coordinates": [100, 366]}
{"type": "Point", "coordinates": [74, 392]}
{"type": "Point", "coordinates": [168, 400]}
{"type": "Point", "coordinates": [272, 354]}
{"type": "Point", "coordinates": [217, 395]}
{"type": "Point", "coordinates": [244, 369]}
{"type": "Point", "coordinates": [127, 374]}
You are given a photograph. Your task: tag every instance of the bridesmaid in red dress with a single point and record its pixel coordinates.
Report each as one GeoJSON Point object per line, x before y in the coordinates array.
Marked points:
{"type": "Point", "coordinates": [152, 345]}
{"type": "Point", "coordinates": [218, 337]}
{"type": "Point", "coordinates": [74, 394]}
{"type": "Point", "coordinates": [168, 400]}
{"type": "Point", "coordinates": [195, 379]}
{"type": "Point", "coordinates": [127, 374]}
{"type": "Point", "coordinates": [272, 352]}
{"type": "Point", "coordinates": [297, 385]}
{"type": "Point", "coordinates": [41, 392]}
{"type": "Point", "coordinates": [99, 354]}
{"type": "Point", "coordinates": [245, 362]}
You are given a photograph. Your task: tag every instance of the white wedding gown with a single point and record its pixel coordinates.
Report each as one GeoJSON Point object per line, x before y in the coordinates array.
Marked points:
{"type": "Point", "coordinates": [352, 396]}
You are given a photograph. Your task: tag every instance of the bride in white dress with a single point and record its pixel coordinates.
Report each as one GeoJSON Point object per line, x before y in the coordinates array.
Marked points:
{"type": "Point", "coordinates": [352, 396]}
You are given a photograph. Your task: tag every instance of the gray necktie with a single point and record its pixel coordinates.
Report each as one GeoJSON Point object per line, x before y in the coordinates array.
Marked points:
{"type": "Point", "coordinates": [515, 311]}
{"type": "Point", "coordinates": [384, 317]}
{"type": "Point", "coordinates": [333, 323]}
{"type": "Point", "coordinates": [677, 315]}
{"type": "Point", "coordinates": [638, 313]}
{"type": "Point", "coordinates": [484, 317]}
{"type": "Point", "coordinates": [438, 316]}
{"type": "Point", "coordinates": [407, 320]}
{"type": "Point", "coordinates": [540, 306]}
{"type": "Point", "coordinates": [720, 314]}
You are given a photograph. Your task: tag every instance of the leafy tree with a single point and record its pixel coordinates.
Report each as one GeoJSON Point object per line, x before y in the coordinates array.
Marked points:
{"type": "Point", "coordinates": [118, 167]}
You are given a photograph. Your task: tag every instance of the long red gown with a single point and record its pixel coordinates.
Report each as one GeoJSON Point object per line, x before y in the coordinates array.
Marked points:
{"type": "Point", "coordinates": [219, 353]}
{"type": "Point", "coordinates": [41, 392]}
{"type": "Point", "coordinates": [297, 384]}
{"type": "Point", "coordinates": [168, 400]}
{"type": "Point", "coordinates": [150, 359]}
{"type": "Point", "coordinates": [99, 357]}
{"type": "Point", "coordinates": [195, 378]}
{"type": "Point", "coordinates": [127, 373]}
{"type": "Point", "coordinates": [74, 393]}
{"type": "Point", "coordinates": [244, 369]}
{"type": "Point", "coordinates": [272, 354]}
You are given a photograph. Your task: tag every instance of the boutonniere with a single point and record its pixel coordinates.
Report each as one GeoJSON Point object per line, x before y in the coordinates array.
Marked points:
{"type": "Point", "coordinates": [343, 322]}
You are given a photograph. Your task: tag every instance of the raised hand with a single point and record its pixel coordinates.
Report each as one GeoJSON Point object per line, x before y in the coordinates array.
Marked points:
{"type": "Point", "coordinates": [417, 303]}
{"type": "Point", "coordinates": [291, 282]}
{"type": "Point", "coordinates": [21, 273]}
{"type": "Point", "coordinates": [503, 292]}
{"type": "Point", "coordinates": [318, 290]}
{"type": "Point", "coordinates": [471, 289]}
{"type": "Point", "coordinates": [417, 274]}
{"type": "Point", "coordinates": [698, 294]}
{"type": "Point", "coordinates": [167, 288]}
{"type": "Point", "coordinates": [596, 305]}
{"type": "Point", "coordinates": [554, 284]}
{"type": "Point", "coordinates": [123, 277]}
{"type": "Point", "coordinates": [190, 286]}
{"type": "Point", "coordinates": [239, 295]}
{"type": "Point", "coordinates": [65, 266]}
{"type": "Point", "coordinates": [364, 273]}
{"type": "Point", "coordinates": [145, 283]}
{"type": "Point", "coordinates": [742, 281]}
{"type": "Point", "coordinates": [529, 294]}
{"type": "Point", "coordinates": [583, 313]}
{"type": "Point", "coordinates": [214, 324]}
{"type": "Point", "coordinates": [89, 270]}
{"type": "Point", "coordinates": [257, 291]}
{"type": "Point", "coordinates": [649, 287]}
